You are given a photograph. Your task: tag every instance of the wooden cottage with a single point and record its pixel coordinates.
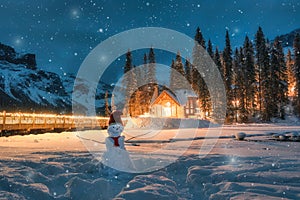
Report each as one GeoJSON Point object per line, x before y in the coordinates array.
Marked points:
{"type": "Point", "coordinates": [168, 104]}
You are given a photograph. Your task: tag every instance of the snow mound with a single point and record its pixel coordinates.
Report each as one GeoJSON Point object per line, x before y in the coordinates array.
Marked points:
{"type": "Point", "coordinates": [150, 187]}
{"type": "Point", "coordinates": [9, 195]}
{"type": "Point", "coordinates": [78, 188]}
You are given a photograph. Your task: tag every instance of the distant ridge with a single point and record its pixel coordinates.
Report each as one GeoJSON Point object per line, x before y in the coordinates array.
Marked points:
{"type": "Point", "coordinates": [26, 88]}
{"type": "Point", "coordinates": [287, 39]}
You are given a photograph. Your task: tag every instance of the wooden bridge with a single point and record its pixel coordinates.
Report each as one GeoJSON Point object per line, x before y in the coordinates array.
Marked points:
{"type": "Point", "coordinates": [27, 123]}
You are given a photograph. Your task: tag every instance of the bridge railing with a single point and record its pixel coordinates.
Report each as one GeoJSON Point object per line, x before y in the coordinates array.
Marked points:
{"type": "Point", "coordinates": [33, 121]}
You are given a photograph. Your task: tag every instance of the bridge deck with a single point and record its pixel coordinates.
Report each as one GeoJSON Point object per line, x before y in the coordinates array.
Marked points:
{"type": "Point", "coordinates": [28, 122]}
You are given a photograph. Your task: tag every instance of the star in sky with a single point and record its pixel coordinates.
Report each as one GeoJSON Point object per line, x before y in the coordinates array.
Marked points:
{"type": "Point", "coordinates": [66, 31]}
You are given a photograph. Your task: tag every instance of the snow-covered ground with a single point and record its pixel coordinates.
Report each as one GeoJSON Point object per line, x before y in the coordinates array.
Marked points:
{"type": "Point", "coordinates": [67, 166]}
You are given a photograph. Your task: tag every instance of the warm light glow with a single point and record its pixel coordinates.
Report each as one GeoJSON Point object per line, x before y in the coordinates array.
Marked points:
{"type": "Point", "coordinates": [292, 90]}
{"type": "Point", "coordinates": [18, 120]}
{"type": "Point", "coordinates": [236, 103]}
{"type": "Point", "coordinates": [168, 104]}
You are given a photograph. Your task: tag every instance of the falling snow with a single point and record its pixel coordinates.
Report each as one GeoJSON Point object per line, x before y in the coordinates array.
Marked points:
{"type": "Point", "coordinates": [63, 26]}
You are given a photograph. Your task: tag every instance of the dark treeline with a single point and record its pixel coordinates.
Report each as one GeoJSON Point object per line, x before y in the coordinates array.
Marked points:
{"type": "Point", "coordinates": [261, 82]}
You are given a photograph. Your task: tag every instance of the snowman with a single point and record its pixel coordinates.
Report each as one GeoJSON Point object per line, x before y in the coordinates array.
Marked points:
{"type": "Point", "coordinates": [116, 157]}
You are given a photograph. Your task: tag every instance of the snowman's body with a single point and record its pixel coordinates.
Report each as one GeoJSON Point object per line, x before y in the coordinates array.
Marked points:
{"type": "Point", "coordinates": [116, 156]}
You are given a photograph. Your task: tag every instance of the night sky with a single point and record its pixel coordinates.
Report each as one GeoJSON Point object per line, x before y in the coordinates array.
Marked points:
{"type": "Point", "coordinates": [62, 33]}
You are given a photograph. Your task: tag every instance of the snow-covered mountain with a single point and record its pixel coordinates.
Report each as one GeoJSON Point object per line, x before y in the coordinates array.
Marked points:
{"type": "Point", "coordinates": [287, 39]}
{"type": "Point", "coordinates": [24, 87]}
{"type": "Point", "coordinates": [31, 89]}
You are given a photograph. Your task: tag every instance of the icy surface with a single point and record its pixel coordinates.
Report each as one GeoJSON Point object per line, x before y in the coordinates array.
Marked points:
{"type": "Point", "coordinates": [58, 166]}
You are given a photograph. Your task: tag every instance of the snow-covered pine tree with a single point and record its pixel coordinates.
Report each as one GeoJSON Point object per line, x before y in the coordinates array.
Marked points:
{"type": "Point", "coordinates": [151, 76]}
{"type": "Point", "coordinates": [126, 81]}
{"type": "Point", "coordinates": [144, 94]}
{"type": "Point", "coordinates": [177, 83]}
{"type": "Point", "coordinates": [135, 99]}
{"type": "Point", "coordinates": [196, 76]}
{"type": "Point", "coordinates": [139, 75]}
{"type": "Point", "coordinates": [218, 61]}
{"type": "Point", "coordinates": [199, 85]}
{"type": "Point", "coordinates": [130, 83]}
{"type": "Point", "coordinates": [152, 67]}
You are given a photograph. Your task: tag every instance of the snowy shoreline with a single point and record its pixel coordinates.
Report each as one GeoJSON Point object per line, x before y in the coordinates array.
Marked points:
{"type": "Point", "coordinates": [59, 166]}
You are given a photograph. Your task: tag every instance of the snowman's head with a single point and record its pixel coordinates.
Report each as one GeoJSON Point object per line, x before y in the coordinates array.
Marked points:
{"type": "Point", "coordinates": [115, 129]}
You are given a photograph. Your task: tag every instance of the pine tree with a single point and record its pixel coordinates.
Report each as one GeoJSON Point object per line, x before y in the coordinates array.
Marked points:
{"type": "Point", "coordinates": [235, 85]}
{"type": "Point", "coordinates": [210, 49]}
{"type": "Point", "coordinates": [107, 110]}
{"type": "Point", "coordinates": [152, 66]}
{"type": "Point", "coordinates": [250, 77]}
{"type": "Point", "coordinates": [198, 83]}
{"type": "Point", "coordinates": [199, 38]}
{"type": "Point", "coordinates": [126, 80]}
{"type": "Point", "coordinates": [128, 62]}
{"type": "Point", "coordinates": [130, 83]}
{"type": "Point", "coordinates": [188, 71]}
{"type": "Point", "coordinates": [172, 77]}
{"type": "Point", "coordinates": [282, 92]}
{"type": "Point", "coordinates": [144, 94]}
{"type": "Point", "coordinates": [135, 100]}
{"type": "Point", "coordinates": [196, 76]}
{"type": "Point", "coordinates": [151, 79]}
{"type": "Point", "coordinates": [145, 67]}
{"type": "Point", "coordinates": [139, 75]}
{"type": "Point", "coordinates": [296, 46]}
{"type": "Point", "coordinates": [242, 86]}
{"type": "Point", "coordinates": [274, 81]}
{"type": "Point", "coordinates": [291, 75]}
{"type": "Point", "coordinates": [263, 71]}
{"type": "Point", "coordinates": [227, 65]}
{"type": "Point", "coordinates": [239, 86]}
{"type": "Point", "coordinates": [217, 60]}
{"type": "Point", "coordinates": [179, 65]}
{"type": "Point", "coordinates": [177, 74]}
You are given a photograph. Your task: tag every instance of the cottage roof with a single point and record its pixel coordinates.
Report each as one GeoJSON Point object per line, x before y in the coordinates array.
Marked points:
{"type": "Point", "coordinates": [168, 94]}
{"type": "Point", "coordinates": [180, 96]}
